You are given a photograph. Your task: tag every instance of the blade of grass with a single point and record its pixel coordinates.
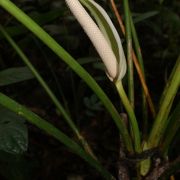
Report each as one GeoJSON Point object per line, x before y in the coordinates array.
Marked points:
{"type": "Point", "coordinates": [137, 45]}
{"type": "Point", "coordinates": [144, 16]}
{"type": "Point", "coordinates": [173, 127]}
{"type": "Point", "coordinates": [168, 96]}
{"type": "Point", "coordinates": [129, 52]}
{"type": "Point", "coordinates": [68, 59]}
{"type": "Point", "coordinates": [41, 19]}
{"type": "Point", "coordinates": [48, 91]}
{"type": "Point", "coordinates": [53, 131]}
{"type": "Point", "coordinates": [140, 59]}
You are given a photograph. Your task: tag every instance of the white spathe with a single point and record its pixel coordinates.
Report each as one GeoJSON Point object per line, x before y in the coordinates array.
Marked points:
{"type": "Point", "coordinates": [116, 68]}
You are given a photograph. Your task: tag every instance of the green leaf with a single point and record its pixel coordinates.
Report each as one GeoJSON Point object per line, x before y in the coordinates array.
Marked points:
{"type": "Point", "coordinates": [13, 132]}
{"type": "Point", "coordinates": [161, 122]}
{"type": "Point", "coordinates": [41, 18]}
{"type": "Point", "coordinates": [15, 75]}
{"type": "Point", "coordinates": [144, 16]}
{"type": "Point", "coordinates": [172, 129]}
{"type": "Point", "coordinates": [33, 118]}
{"type": "Point", "coordinates": [71, 62]}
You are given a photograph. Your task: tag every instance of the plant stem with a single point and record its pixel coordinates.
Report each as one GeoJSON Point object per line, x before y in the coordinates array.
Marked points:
{"type": "Point", "coordinates": [161, 120]}
{"type": "Point", "coordinates": [53, 131]}
{"type": "Point", "coordinates": [132, 117]}
{"type": "Point", "coordinates": [129, 53]}
{"type": "Point", "coordinates": [144, 86]}
{"type": "Point", "coordinates": [119, 19]}
{"type": "Point", "coordinates": [72, 63]}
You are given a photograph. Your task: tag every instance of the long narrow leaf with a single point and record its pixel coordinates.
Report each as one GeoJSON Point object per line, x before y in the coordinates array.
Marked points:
{"type": "Point", "coordinates": [173, 126]}
{"type": "Point", "coordinates": [161, 120]}
{"type": "Point", "coordinates": [53, 131]}
{"type": "Point", "coordinates": [41, 18]}
{"type": "Point", "coordinates": [54, 99]}
{"type": "Point", "coordinates": [129, 52]}
{"type": "Point", "coordinates": [15, 75]}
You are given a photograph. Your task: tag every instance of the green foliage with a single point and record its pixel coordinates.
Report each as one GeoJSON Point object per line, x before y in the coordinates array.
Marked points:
{"type": "Point", "coordinates": [13, 132]}
{"type": "Point", "coordinates": [138, 17]}
{"type": "Point", "coordinates": [41, 18]}
{"type": "Point", "coordinates": [15, 75]}
{"type": "Point", "coordinates": [172, 129]}
{"type": "Point", "coordinates": [157, 25]}
{"type": "Point", "coordinates": [53, 131]}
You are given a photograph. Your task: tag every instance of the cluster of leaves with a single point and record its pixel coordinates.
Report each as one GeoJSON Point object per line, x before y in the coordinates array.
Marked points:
{"type": "Point", "coordinates": [160, 36]}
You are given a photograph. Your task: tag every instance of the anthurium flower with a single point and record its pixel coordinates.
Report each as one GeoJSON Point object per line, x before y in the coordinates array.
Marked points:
{"type": "Point", "coordinates": [102, 34]}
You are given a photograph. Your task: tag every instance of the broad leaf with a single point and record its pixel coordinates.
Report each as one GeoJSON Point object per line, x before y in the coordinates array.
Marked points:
{"type": "Point", "coordinates": [13, 132]}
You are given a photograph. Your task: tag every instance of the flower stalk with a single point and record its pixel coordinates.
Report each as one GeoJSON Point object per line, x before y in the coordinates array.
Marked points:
{"type": "Point", "coordinates": [114, 59]}
{"type": "Point", "coordinates": [135, 133]}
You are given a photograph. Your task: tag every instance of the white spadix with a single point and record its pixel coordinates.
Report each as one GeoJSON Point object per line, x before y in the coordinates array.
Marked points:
{"type": "Point", "coordinates": [103, 35]}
